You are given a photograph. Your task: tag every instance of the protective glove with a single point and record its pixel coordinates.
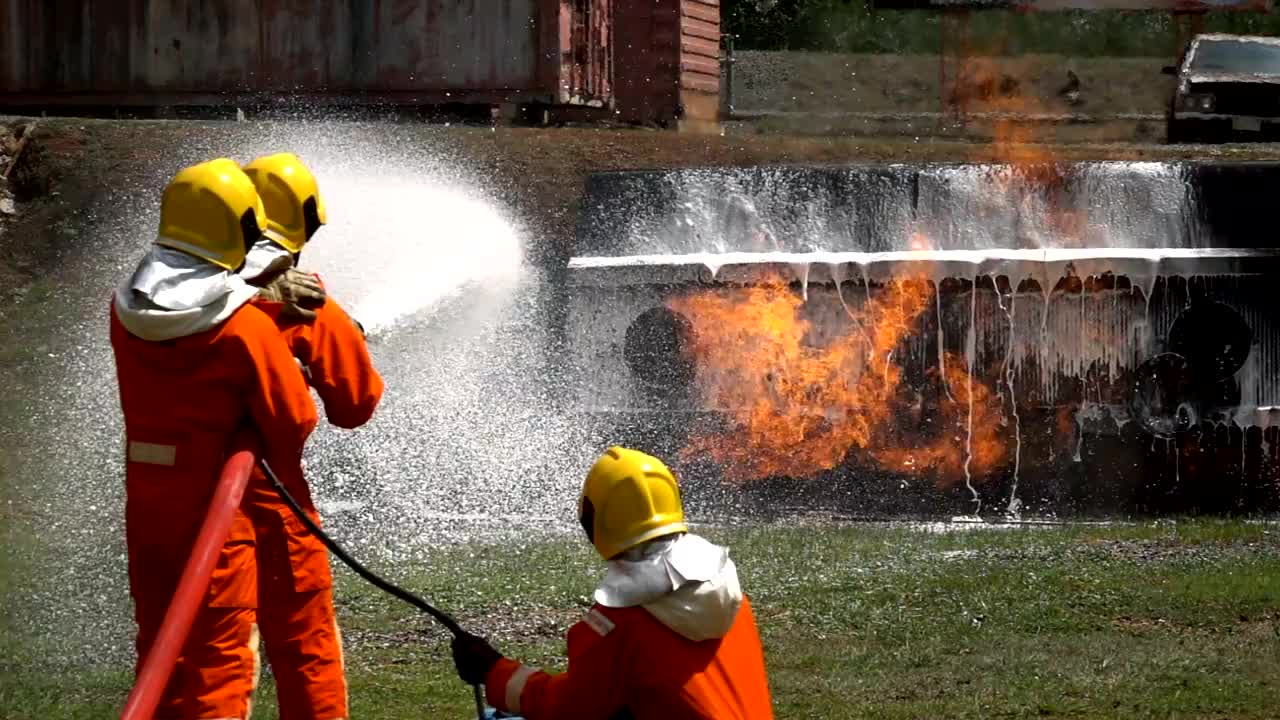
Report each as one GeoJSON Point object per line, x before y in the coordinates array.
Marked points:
{"type": "Point", "coordinates": [299, 292]}
{"type": "Point", "coordinates": [474, 657]}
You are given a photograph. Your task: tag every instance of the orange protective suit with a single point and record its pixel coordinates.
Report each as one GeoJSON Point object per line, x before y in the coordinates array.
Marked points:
{"type": "Point", "coordinates": [187, 402]}
{"type": "Point", "coordinates": [625, 658]}
{"type": "Point", "coordinates": [295, 600]}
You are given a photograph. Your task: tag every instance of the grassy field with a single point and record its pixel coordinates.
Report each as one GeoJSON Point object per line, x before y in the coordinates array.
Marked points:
{"type": "Point", "coordinates": [1140, 621]}
{"type": "Point", "coordinates": [825, 83]}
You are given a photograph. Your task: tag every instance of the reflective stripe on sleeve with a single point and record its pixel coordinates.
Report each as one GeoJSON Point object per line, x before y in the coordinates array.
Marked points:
{"type": "Point", "coordinates": [152, 453]}
{"type": "Point", "coordinates": [598, 622]}
{"type": "Point", "coordinates": [515, 687]}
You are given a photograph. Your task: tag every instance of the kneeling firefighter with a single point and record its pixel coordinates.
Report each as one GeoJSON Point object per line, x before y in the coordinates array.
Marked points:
{"type": "Point", "coordinates": [295, 611]}
{"type": "Point", "coordinates": [671, 635]}
{"type": "Point", "coordinates": [197, 365]}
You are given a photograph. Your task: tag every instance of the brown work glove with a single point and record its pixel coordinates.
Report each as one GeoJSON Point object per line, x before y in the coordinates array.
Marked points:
{"type": "Point", "coordinates": [300, 293]}
{"type": "Point", "coordinates": [474, 657]}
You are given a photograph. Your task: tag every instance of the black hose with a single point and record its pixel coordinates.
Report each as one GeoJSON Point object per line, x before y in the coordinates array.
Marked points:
{"type": "Point", "coordinates": [391, 589]}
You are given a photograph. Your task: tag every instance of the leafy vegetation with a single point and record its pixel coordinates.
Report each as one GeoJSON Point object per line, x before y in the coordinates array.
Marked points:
{"type": "Point", "coordinates": [850, 26]}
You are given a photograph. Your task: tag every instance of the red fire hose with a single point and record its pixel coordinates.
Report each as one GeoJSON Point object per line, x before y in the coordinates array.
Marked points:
{"type": "Point", "coordinates": [158, 666]}
{"type": "Point", "coordinates": [155, 672]}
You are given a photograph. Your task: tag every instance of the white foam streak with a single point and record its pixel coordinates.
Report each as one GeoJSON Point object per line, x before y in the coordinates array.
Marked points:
{"type": "Point", "coordinates": [931, 257]}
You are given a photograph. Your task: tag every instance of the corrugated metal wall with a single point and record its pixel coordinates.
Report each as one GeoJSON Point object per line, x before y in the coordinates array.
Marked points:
{"type": "Point", "coordinates": [643, 75]}
{"type": "Point", "coordinates": [700, 46]}
{"type": "Point", "coordinates": [411, 50]}
{"type": "Point", "coordinates": [586, 57]}
{"type": "Point", "coordinates": [667, 59]}
{"type": "Point", "coordinates": [700, 62]}
{"type": "Point", "coordinates": [448, 44]}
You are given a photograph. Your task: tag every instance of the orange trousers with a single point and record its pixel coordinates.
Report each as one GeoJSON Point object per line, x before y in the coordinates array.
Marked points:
{"type": "Point", "coordinates": [215, 676]}
{"type": "Point", "coordinates": [295, 609]}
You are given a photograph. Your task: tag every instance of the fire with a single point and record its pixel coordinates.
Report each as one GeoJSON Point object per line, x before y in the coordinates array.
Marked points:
{"type": "Point", "coordinates": [1015, 141]}
{"type": "Point", "coordinates": [802, 400]}
{"type": "Point", "coordinates": [1019, 143]}
{"type": "Point", "coordinates": [946, 455]}
{"type": "Point", "coordinates": [1065, 423]}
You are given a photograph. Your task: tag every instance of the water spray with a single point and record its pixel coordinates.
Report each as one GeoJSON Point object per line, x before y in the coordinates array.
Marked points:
{"type": "Point", "coordinates": [411, 262]}
{"type": "Point", "coordinates": [373, 578]}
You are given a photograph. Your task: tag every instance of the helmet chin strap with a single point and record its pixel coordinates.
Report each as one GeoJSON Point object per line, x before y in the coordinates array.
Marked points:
{"type": "Point", "coordinates": [250, 233]}
{"type": "Point", "coordinates": [587, 518]}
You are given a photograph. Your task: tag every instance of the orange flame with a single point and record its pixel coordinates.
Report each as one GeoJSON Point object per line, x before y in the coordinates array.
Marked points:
{"type": "Point", "coordinates": [1015, 141]}
{"type": "Point", "coordinates": [1018, 142]}
{"type": "Point", "coordinates": [949, 454]}
{"type": "Point", "coordinates": [801, 399]}
{"type": "Point", "coordinates": [1065, 424]}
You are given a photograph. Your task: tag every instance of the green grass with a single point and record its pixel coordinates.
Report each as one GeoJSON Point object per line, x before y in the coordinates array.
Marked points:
{"type": "Point", "coordinates": [1138, 621]}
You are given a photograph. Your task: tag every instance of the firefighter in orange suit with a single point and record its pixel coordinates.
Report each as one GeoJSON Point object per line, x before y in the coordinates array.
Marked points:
{"type": "Point", "coordinates": [671, 635]}
{"type": "Point", "coordinates": [200, 370]}
{"type": "Point", "coordinates": [295, 608]}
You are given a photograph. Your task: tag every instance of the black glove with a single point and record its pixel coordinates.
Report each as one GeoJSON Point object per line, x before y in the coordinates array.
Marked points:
{"type": "Point", "coordinates": [474, 657]}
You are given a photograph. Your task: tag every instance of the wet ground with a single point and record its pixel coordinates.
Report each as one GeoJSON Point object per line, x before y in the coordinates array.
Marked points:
{"type": "Point", "coordinates": [470, 442]}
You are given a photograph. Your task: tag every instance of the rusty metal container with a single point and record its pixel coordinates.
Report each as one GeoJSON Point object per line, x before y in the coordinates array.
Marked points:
{"type": "Point", "coordinates": [667, 60]}
{"type": "Point", "coordinates": [183, 52]}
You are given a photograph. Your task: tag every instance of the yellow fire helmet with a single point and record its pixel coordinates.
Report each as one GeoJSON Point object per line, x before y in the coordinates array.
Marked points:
{"type": "Point", "coordinates": [629, 498]}
{"type": "Point", "coordinates": [211, 211]}
{"type": "Point", "coordinates": [291, 196]}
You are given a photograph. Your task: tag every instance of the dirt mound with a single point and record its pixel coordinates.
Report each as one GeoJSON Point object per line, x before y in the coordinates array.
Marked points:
{"type": "Point", "coordinates": [25, 171]}
{"type": "Point", "coordinates": [9, 140]}
{"type": "Point", "coordinates": [34, 158]}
